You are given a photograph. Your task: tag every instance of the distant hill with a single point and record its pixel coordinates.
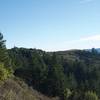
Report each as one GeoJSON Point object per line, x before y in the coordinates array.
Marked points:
{"type": "Point", "coordinates": [97, 49]}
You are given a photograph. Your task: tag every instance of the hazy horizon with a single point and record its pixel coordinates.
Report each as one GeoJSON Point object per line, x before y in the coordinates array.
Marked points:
{"type": "Point", "coordinates": [51, 25]}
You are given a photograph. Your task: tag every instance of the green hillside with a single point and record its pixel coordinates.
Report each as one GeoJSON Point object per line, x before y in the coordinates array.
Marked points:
{"type": "Point", "coordinates": [53, 72]}
{"type": "Point", "coordinates": [32, 74]}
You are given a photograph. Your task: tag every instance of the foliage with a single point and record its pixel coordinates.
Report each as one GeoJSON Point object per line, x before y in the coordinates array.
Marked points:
{"type": "Point", "coordinates": [67, 74]}
{"type": "Point", "coordinates": [4, 58]}
{"type": "Point", "coordinates": [5, 69]}
{"type": "Point", "coordinates": [51, 73]}
{"type": "Point", "coordinates": [67, 93]}
{"type": "Point", "coordinates": [4, 73]}
{"type": "Point", "coordinates": [90, 96]}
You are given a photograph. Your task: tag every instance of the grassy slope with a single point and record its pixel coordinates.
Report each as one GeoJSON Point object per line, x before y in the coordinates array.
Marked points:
{"type": "Point", "coordinates": [15, 89]}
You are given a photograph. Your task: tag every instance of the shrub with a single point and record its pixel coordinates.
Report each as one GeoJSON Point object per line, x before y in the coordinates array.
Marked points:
{"type": "Point", "coordinates": [67, 93]}
{"type": "Point", "coordinates": [4, 73]}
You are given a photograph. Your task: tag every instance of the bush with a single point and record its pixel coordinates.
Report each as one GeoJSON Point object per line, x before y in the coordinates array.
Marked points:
{"type": "Point", "coordinates": [67, 93]}
{"type": "Point", "coordinates": [4, 73]}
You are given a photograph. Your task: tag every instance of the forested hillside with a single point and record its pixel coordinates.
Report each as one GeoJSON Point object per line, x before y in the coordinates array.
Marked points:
{"type": "Point", "coordinates": [11, 87]}
{"type": "Point", "coordinates": [66, 75]}
{"type": "Point", "coordinates": [71, 75]}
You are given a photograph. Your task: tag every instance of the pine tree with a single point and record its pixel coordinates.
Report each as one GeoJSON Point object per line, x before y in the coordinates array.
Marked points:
{"type": "Point", "coordinates": [4, 58]}
{"type": "Point", "coordinates": [56, 78]}
{"type": "Point", "coordinates": [5, 72]}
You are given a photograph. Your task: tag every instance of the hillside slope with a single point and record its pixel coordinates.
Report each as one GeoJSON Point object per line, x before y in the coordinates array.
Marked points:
{"type": "Point", "coordinates": [52, 72]}
{"type": "Point", "coordinates": [15, 89]}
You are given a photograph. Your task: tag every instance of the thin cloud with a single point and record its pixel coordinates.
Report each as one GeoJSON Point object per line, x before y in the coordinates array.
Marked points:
{"type": "Point", "coordinates": [85, 1]}
{"type": "Point", "coordinates": [81, 43]}
{"type": "Point", "coordinates": [93, 38]}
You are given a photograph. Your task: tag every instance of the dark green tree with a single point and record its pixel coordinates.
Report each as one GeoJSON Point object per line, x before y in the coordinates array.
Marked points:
{"type": "Point", "coordinates": [4, 58]}
{"type": "Point", "coordinates": [56, 82]}
{"type": "Point", "coordinates": [5, 72]}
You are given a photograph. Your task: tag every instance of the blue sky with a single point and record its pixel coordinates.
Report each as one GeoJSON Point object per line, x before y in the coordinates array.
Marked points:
{"type": "Point", "coordinates": [51, 24]}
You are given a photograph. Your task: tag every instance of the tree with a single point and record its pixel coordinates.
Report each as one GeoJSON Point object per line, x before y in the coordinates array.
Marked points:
{"type": "Point", "coordinates": [39, 72]}
{"type": "Point", "coordinates": [5, 72]}
{"type": "Point", "coordinates": [56, 82]}
{"type": "Point", "coordinates": [90, 96]}
{"type": "Point", "coordinates": [94, 51]}
{"type": "Point", "coordinates": [4, 58]}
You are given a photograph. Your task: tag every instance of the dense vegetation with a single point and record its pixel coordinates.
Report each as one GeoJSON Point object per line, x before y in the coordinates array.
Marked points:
{"type": "Point", "coordinates": [71, 75]}
{"type": "Point", "coordinates": [68, 74]}
{"type": "Point", "coordinates": [5, 63]}
{"type": "Point", "coordinates": [11, 87]}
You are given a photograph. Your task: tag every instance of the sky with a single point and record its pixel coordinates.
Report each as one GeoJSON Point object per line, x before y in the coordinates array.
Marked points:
{"type": "Point", "coordinates": [51, 25]}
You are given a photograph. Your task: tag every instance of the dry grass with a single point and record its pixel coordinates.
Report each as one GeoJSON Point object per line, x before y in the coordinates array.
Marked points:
{"type": "Point", "coordinates": [15, 89]}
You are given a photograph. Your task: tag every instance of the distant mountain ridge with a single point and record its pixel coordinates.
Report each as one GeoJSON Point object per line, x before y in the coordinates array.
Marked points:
{"type": "Point", "coordinates": [97, 49]}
